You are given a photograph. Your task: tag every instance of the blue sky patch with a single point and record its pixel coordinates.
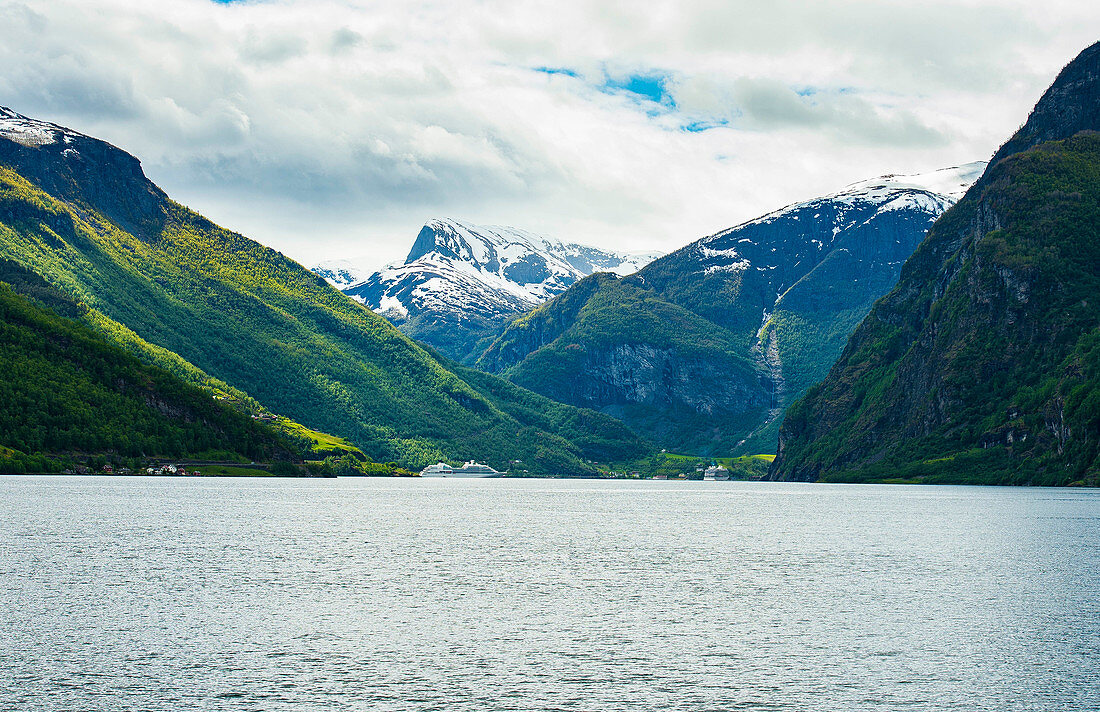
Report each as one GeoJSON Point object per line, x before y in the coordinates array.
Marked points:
{"type": "Point", "coordinates": [645, 87]}
{"type": "Point", "coordinates": [651, 93]}
{"type": "Point", "coordinates": [648, 87]}
{"type": "Point", "coordinates": [704, 125]}
{"type": "Point", "coordinates": [545, 70]}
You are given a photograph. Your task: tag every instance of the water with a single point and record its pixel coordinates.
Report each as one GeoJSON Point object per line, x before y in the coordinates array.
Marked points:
{"type": "Point", "coordinates": [372, 594]}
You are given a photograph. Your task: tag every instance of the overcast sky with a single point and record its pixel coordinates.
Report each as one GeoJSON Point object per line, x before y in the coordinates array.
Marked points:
{"type": "Point", "coordinates": [331, 129]}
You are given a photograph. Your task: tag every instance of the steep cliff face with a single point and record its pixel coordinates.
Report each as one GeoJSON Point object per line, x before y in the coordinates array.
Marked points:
{"type": "Point", "coordinates": [81, 170]}
{"type": "Point", "coordinates": [613, 346]}
{"type": "Point", "coordinates": [981, 365]}
{"type": "Point", "coordinates": [768, 303]}
{"type": "Point", "coordinates": [674, 397]}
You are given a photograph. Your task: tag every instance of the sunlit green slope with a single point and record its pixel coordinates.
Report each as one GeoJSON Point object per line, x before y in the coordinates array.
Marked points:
{"type": "Point", "coordinates": [82, 214]}
{"type": "Point", "coordinates": [66, 392]}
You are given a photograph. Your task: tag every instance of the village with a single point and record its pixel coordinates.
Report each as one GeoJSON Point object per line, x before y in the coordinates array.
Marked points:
{"type": "Point", "coordinates": [160, 470]}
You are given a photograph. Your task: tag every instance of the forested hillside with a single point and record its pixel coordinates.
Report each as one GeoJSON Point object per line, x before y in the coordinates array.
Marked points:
{"type": "Point", "coordinates": [703, 348]}
{"type": "Point", "coordinates": [66, 392]}
{"type": "Point", "coordinates": [207, 303]}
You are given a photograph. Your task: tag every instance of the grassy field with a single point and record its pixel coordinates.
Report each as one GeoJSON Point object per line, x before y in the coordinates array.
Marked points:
{"type": "Point", "coordinates": [319, 443]}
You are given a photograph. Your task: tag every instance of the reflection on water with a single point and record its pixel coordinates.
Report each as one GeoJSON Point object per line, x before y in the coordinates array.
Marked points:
{"type": "Point", "coordinates": [372, 594]}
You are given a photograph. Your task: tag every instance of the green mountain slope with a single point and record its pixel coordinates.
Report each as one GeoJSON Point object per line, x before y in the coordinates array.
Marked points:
{"type": "Point", "coordinates": [64, 391]}
{"type": "Point", "coordinates": [169, 284]}
{"type": "Point", "coordinates": [983, 364]}
{"type": "Point", "coordinates": [661, 369]}
{"type": "Point", "coordinates": [702, 348]}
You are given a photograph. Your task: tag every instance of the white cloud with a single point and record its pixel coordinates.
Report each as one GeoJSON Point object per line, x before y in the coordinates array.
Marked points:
{"type": "Point", "coordinates": [328, 127]}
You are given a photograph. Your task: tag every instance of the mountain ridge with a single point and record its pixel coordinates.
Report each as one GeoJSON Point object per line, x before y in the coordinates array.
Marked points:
{"type": "Point", "coordinates": [175, 289]}
{"type": "Point", "coordinates": [776, 294]}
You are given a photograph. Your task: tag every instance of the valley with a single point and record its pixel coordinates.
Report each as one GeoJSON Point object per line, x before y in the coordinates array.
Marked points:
{"type": "Point", "coordinates": [850, 332]}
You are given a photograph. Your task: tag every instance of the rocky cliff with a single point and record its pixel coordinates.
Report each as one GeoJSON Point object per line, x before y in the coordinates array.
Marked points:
{"type": "Point", "coordinates": [81, 170]}
{"type": "Point", "coordinates": [982, 364]}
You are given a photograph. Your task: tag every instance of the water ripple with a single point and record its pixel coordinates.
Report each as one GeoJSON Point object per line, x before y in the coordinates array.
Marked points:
{"type": "Point", "coordinates": [357, 594]}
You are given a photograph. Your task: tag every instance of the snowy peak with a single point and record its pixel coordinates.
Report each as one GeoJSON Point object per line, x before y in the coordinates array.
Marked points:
{"type": "Point", "coordinates": [460, 279]}
{"type": "Point", "coordinates": [929, 194]}
{"type": "Point", "coordinates": [519, 256]}
{"type": "Point", "coordinates": [872, 226]}
{"type": "Point", "coordinates": [525, 260]}
{"type": "Point", "coordinates": [32, 132]}
{"type": "Point", "coordinates": [344, 272]}
{"type": "Point", "coordinates": [590, 260]}
{"type": "Point", "coordinates": [951, 182]}
{"type": "Point", "coordinates": [477, 244]}
{"type": "Point", "coordinates": [525, 265]}
{"type": "Point", "coordinates": [932, 192]}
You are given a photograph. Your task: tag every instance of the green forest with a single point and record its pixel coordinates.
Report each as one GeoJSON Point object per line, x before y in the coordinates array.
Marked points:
{"type": "Point", "coordinates": [65, 392]}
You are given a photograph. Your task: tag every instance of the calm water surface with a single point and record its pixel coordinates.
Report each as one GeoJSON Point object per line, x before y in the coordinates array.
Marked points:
{"type": "Point", "coordinates": [374, 594]}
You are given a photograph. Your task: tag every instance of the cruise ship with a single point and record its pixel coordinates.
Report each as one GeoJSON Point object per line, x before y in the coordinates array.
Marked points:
{"type": "Point", "coordinates": [440, 469]}
{"type": "Point", "coordinates": [470, 469]}
{"type": "Point", "coordinates": [716, 472]}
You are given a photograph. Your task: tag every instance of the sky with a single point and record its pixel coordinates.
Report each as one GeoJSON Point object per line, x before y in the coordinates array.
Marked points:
{"type": "Point", "coordinates": [330, 129]}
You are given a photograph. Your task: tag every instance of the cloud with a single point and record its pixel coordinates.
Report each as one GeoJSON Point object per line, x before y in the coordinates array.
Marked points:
{"type": "Point", "coordinates": [842, 114]}
{"type": "Point", "coordinates": [335, 126]}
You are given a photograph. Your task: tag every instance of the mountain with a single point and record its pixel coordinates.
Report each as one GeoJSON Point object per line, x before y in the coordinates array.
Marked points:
{"type": "Point", "coordinates": [230, 315]}
{"type": "Point", "coordinates": [701, 349]}
{"type": "Point", "coordinates": [343, 272]}
{"type": "Point", "coordinates": [66, 391]}
{"type": "Point", "coordinates": [461, 283]}
{"type": "Point", "coordinates": [983, 364]}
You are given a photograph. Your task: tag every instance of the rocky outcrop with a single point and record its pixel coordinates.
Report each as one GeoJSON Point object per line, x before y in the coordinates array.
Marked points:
{"type": "Point", "coordinates": [1070, 105]}
{"type": "Point", "coordinates": [83, 171]}
{"type": "Point", "coordinates": [642, 374]}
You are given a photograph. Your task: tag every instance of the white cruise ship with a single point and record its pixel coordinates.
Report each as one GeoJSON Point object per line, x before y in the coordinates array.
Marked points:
{"type": "Point", "coordinates": [440, 469]}
{"type": "Point", "coordinates": [470, 469]}
{"type": "Point", "coordinates": [716, 472]}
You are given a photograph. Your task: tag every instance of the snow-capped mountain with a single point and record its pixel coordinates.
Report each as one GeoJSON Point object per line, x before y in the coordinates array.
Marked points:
{"type": "Point", "coordinates": [32, 132]}
{"type": "Point", "coordinates": [788, 243]}
{"type": "Point", "coordinates": [460, 280]}
{"type": "Point", "coordinates": [344, 271]}
{"type": "Point", "coordinates": [732, 327]}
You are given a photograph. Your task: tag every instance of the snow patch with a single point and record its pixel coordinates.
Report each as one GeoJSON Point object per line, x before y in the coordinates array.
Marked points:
{"type": "Point", "coordinates": [391, 304]}
{"type": "Point", "coordinates": [739, 266]}
{"type": "Point", "coordinates": [29, 132]}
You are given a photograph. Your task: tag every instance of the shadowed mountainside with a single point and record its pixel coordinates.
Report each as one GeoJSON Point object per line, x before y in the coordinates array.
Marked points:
{"type": "Point", "coordinates": [983, 364]}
